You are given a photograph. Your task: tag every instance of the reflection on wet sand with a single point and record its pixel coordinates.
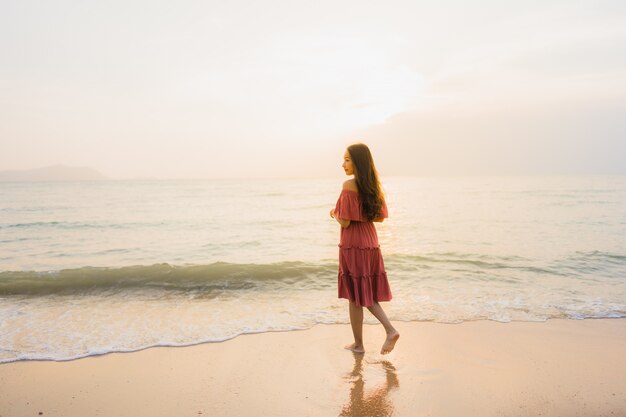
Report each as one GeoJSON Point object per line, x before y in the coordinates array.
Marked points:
{"type": "Point", "coordinates": [376, 402]}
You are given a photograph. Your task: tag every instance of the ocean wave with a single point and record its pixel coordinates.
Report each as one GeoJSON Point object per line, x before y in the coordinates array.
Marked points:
{"type": "Point", "coordinates": [225, 275]}
{"type": "Point", "coordinates": [219, 275]}
{"type": "Point", "coordinates": [79, 225]}
{"type": "Point", "coordinates": [234, 276]}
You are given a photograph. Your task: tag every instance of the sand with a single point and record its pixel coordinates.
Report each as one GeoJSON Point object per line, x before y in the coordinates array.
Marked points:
{"type": "Point", "coordinates": [482, 368]}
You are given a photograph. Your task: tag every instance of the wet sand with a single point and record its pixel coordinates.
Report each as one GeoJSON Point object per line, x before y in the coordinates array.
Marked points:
{"type": "Point", "coordinates": [482, 368]}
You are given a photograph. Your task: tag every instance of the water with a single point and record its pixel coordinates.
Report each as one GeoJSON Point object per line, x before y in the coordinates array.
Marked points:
{"type": "Point", "coordinates": [95, 267]}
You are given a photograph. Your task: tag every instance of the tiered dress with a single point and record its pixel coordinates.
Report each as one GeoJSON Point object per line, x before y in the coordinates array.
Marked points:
{"type": "Point", "coordinates": [362, 277]}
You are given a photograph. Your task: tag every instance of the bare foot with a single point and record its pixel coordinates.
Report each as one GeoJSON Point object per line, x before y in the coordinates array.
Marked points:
{"type": "Point", "coordinates": [389, 344]}
{"type": "Point", "coordinates": [355, 348]}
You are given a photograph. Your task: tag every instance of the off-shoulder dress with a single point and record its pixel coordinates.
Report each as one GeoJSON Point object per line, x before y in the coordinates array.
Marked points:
{"type": "Point", "coordinates": [362, 278]}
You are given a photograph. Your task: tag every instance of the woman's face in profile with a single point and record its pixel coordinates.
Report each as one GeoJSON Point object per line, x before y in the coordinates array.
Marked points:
{"type": "Point", "coordinates": [347, 164]}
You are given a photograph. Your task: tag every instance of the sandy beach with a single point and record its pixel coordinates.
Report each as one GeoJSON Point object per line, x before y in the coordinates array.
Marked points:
{"type": "Point", "coordinates": [481, 368]}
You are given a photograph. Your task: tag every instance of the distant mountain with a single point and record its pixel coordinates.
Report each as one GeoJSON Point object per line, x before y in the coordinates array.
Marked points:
{"type": "Point", "coordinates": [53, 173]}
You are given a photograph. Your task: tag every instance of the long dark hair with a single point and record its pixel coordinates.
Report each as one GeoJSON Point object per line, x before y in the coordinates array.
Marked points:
{"type": "Point", "coordinates": [366, 178]}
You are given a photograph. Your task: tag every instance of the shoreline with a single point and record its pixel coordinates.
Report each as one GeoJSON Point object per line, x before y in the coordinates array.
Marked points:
{"type": "Point", "coordinates": [484, 368]}
{"type": "Point", "coordinates": [93, 355]}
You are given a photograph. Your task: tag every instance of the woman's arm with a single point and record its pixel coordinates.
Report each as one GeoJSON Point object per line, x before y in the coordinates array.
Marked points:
{"type": "Point", "coordinates": [343, 223]}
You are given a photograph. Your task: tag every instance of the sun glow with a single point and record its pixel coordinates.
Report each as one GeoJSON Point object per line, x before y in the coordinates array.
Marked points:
{"type": "Point", "coordinates": [321, 83]}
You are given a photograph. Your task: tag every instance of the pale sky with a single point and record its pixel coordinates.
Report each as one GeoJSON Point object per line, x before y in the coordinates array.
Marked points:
{"type": "Point", "coordinates": [208, 89]}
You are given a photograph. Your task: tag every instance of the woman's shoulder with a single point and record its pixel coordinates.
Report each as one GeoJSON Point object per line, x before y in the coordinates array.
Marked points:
{"type": "Point", "coordinates": [350, 185]}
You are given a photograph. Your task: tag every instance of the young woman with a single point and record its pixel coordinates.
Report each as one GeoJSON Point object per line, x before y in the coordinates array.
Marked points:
{"type": "Point", "coordinates": [362, 278]}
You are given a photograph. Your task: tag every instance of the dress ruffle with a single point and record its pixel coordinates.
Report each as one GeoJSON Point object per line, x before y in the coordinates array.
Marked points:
{"type": "Point", "coordinates": [362, 277]}
{"type": "Point", "coordinates": [364, 290]}
{"type": "Point", "coordinates": [349, 207]}
{"type": "Point", "coordinates": [357, 247]}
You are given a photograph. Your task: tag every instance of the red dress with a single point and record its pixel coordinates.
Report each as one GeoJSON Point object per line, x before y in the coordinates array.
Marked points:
{"type": "Point", "coordinates": [362, 277]}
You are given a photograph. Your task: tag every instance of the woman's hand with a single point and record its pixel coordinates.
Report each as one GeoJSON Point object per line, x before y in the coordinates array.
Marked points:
{"type": "Point", "coordinates": [332, 212]}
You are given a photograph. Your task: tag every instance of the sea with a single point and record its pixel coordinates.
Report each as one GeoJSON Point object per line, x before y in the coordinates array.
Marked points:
{"type": "Point", "coordinates": [88, 268]}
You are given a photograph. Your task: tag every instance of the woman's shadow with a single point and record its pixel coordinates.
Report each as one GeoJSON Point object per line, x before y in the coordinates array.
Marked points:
{"type": "Point", "coordinates": [376, 402]}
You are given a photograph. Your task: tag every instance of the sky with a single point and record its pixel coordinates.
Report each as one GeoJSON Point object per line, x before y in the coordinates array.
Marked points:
{"type": "Point", "coordinates": [278, 89]}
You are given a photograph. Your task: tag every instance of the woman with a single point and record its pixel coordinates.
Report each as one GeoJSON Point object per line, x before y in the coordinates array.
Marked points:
{"type": "Point", "coordinates": [362, 278]}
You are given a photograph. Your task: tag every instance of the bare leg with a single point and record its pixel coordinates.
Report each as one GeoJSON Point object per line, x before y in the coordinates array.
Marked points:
{"type": "Point", "coordinates": [392, 333]}
{"type": "Point", "coordinates": [356, 320]}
